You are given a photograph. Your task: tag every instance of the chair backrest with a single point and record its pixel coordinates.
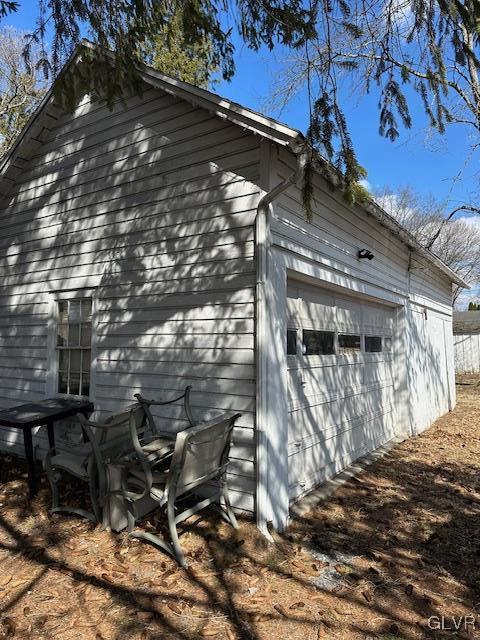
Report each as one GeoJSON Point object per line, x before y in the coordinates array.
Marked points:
{"type": "Point", "coordinates": [115, 427]}
{"type": "Point", "coordinates": [185, 396]}
{"type": "Point", "coordinates": [201, 454]}
{"type": "Point", "coordinates": [119, 424]}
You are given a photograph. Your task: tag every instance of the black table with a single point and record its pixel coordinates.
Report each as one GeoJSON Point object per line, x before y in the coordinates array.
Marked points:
{"type": "Point", "coordinates": [37, 414]}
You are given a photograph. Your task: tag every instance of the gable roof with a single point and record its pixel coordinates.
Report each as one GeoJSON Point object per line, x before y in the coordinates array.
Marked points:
{"type": "Point", "coordinates": [269, 128]}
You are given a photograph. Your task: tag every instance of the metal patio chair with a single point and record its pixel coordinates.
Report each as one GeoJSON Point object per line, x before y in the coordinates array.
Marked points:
{"type": "Point", "coordinates": [161, 443]}
{"type": "Point", "coordinates": [200, 457]}
{"type": "Point", "coordinates": [86, 461]}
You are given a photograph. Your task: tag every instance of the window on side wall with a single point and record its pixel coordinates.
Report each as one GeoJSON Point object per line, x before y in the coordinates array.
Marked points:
{"type": "Point", "coordinates": [74, 346]}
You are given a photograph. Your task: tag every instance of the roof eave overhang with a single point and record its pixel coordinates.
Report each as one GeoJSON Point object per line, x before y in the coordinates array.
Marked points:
{"type": "Point", "coordinates": [227, 110]}
{"type": "Point", "coordinates": [30, 124]}
{"type": "Point", "coordinates": [245, 118]}
{"type": "Point", "coordinates": [219, 106]}
{"type": "Point", "coordinates": [390, 223]}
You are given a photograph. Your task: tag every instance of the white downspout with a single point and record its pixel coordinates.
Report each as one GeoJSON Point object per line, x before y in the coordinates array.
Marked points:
{"type": "Point", "coordinates": [262, 250]}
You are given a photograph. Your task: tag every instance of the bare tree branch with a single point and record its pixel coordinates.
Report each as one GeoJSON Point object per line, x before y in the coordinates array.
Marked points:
{"type": "Point", "coordinates": [464, 207]}
{"type": "Point", "coordinates": [21, 88]}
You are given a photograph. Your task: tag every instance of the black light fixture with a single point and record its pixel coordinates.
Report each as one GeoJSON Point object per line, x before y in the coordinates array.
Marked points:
{"type": "Point", "coordinates": [365, 253]}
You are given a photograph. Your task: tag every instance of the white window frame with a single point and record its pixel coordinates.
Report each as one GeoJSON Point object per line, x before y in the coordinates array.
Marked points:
{"type": "Point", "coordinates": [53, 353]}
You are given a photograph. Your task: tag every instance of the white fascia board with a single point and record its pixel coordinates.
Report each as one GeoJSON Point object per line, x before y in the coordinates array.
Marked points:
{"type": "Point", "coordinates": [226, 109]}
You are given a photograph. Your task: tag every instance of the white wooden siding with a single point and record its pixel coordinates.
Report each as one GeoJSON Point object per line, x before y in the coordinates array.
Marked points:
{"type": "Point", "coordinates": [429, 365]}
{"type": "Point", "coordinates": [337, 232]}
{"type": "Point", "coordinates": [153, 206]}
{"type": "Point", "coordinates": [467, 352]}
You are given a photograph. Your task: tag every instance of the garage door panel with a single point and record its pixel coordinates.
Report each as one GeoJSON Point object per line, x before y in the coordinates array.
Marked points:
{"type": "Point", "coordinates": [379, 371]}
{"type": "Point", "coordinates": [312, 300]}
{"type": "Point", "coordinates": [343, 374]}
{"type": "Point", "coordinates": [320, 318]}
{"type": "Point", "coordinates": [310, 308]}
{"type": "Point", "coordinates": [310, 465]}
{"type": "Point", "coordinates": [348, 315]}
{"type": "Point", "coordinates": [377, 319]}
{"type": "Point", "coordinates": [336, 381]}
{"type": "Point", "coordinates": [354, 394]}
{"type": "Point", "coordinates": [317, 436]}
{"type": "Point", "coordinates": [341, 404]}
{"type": "Point", "coordinates": [335, 376]}
{"type": "Point", "coordinates": [317, 414]}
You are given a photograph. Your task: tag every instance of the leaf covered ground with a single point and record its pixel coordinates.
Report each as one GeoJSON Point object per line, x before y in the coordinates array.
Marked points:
{"type": "Point", "coordinates": [388, 552]}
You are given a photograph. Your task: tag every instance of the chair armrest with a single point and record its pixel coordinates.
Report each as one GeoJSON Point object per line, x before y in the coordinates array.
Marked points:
{"type": "Point", "coordinates": [169, 435]}
{"type": "Point", "coordinates": [133, 496]}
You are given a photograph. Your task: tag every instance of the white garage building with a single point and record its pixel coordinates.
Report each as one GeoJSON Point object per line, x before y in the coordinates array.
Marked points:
{"type": "Point", "coordinates": [177, 219]}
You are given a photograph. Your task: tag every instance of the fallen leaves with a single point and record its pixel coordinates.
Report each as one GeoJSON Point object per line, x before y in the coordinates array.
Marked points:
{"type": "Point", "coordinates": [9, 627]}
{"type": "Point", "coordinates": [303, 567]}
{"type": "Point", "coordinates": [175, 608]}
{"type": "Point", "coordinates": [281, 610]}
{"type": "Point", "coordinates": [243, 587]}
{"type": "Point", "coordinates": [145, 616]}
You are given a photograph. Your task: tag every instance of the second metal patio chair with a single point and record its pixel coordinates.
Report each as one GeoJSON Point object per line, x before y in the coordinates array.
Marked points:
{"type": "Point", "coordinates": [200, 458]}
{"type": "Point", "coordinates": [86, 461]}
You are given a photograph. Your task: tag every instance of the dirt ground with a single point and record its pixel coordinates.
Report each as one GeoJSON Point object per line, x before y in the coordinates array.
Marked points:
{"type": "Point", "coordinates": [394, 554]}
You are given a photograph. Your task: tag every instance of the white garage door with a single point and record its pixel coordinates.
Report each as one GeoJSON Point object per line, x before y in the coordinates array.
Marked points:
{"type": "Point", "coordinates": [340, 382]}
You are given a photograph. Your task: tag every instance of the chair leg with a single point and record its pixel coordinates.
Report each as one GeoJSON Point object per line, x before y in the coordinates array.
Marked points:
{"type": "Point", "coordinates": [227, 511]}
{"type": "Point", "coordinates": [177, 549]}
{"type": "Point", "coordinates": [97, 490]}
{"type": "Point", "coordinates": [54, 476]}
{"type": "Point", "coordinates": [54, 487]}
{"type": "Point", "coordinates": [172, 548]}
{"type": "Point", "coordinates": [131, 516]}
{"type": "Point", "coordinates": [94, 500]}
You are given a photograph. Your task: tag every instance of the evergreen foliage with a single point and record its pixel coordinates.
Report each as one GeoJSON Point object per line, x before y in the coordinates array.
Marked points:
{"type": "Point", "coordinates": [172, 53]}
{"type": "Point", "coordinates": [397, 48]}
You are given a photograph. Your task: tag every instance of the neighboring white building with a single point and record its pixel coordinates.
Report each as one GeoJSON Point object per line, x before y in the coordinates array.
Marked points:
{"type": "Point", "coordinates": [466, 339]}
{"type": "Point", "coordinates": [177, 223]}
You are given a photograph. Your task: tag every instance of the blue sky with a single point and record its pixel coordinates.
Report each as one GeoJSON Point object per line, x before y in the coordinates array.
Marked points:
{"type": "Point", "coordinates": [419, 159]}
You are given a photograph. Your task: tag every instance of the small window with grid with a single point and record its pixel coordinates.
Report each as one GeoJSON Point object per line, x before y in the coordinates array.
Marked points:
{"type": "Point", "coordinates": [74, 346]}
